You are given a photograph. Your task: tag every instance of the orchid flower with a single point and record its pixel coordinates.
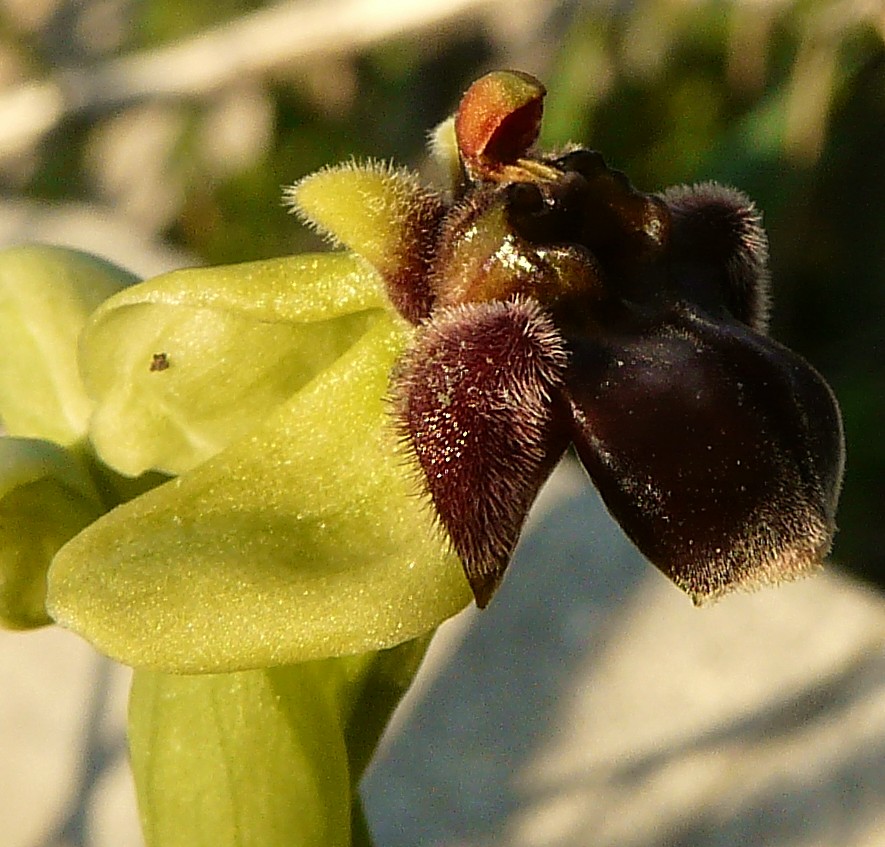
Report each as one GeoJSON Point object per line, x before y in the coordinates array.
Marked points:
{"type": "Point", "coordinates": [345, 429]}
{"type": "Point", "coordinates": [222, 474]}
{"type": "Point", "coordinates": [556, 305]}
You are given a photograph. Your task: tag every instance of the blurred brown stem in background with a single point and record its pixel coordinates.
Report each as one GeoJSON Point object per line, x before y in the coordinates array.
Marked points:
{"type": "Point", "coordinates": [252, 44]}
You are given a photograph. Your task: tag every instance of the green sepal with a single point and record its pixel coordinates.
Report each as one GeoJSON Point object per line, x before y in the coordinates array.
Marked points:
{"type": "Point", "coordinates": [46, 294]}
{"type": "Point", "coordinates": [46, 498]}
{"type": "Point", "coordinates": [306, 539]}
{"type": "Point", "coordinates": [186, 363]}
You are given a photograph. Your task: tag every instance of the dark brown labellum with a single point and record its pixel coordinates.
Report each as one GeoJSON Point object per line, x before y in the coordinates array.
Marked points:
{"type": "Point", "coordinates": [717, 450]}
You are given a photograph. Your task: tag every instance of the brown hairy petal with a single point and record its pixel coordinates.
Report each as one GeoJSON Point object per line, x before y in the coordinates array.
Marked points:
{"type": "Point", "coordinates": [473, 401]}
{"type": "Point", "coordinates": [720, 251]}
{"type": "Point", "coordinates": [719, 451]}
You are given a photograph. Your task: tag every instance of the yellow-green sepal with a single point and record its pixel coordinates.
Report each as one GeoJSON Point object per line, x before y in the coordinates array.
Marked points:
{"type": "Point", "coordinates": [382, 213]}
{"type": "Point", "coordinates": [186, 363]}
{"type": "Point", "coordinates": [305, 539]}
{"type": "Point", "coordinates": [46, 498]}
{"type": "Point", "coordinates": [46, 295]}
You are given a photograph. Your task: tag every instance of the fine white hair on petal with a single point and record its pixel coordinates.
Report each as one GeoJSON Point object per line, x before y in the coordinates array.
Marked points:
{"type": "Point", "coordinates": [473, 399]}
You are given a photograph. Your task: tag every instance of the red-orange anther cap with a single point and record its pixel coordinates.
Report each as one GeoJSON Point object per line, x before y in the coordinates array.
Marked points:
{"type": "Point", "coordinates": [498, 120]}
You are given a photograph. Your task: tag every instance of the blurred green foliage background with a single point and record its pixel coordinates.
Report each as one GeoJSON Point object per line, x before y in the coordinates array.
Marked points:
{"type": "Point", "coordinates": [185, 119]}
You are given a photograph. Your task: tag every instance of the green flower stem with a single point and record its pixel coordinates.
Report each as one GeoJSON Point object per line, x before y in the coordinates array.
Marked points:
{"type": "Point", "coordinates": [360, 835]}
{"type": "Point", "coordinates": [251, 759]}
{"type": "Point", "coordinates": [262, 757]}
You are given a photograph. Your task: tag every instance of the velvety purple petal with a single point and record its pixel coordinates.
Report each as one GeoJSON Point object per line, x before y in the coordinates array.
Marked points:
{"type": "Point", "coordinates": [718, 451]}
{"type": "Point", "coordinates": [719, 251]}
{"type": "Point", "coordinates": [473, 401]}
